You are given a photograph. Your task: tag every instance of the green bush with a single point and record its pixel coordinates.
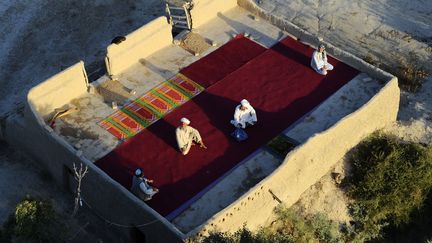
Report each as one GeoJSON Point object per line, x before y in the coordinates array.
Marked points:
{"type": "Point", "coordinates": [34, 221]}
{"type": "Point", "coordinates": [245, 236]}
{"type": "Point", "coordinates": [419, 228]}
{"type": "Point", "coordinates": [289, 227]}
{"type": "Point", "coordinates": [325, 230]}
{"type": "Point", "coordinates": [315, 228]}
{"type": "Point", "coordinates": [389, 180]}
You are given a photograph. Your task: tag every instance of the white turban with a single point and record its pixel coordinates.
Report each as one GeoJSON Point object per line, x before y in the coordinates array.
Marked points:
{"type": "Point", "coordinates": [244, 102]}
{"type": "Point", "coordinates": [185, 120]}
{"type": "Point", "coordinates": [138, 172]}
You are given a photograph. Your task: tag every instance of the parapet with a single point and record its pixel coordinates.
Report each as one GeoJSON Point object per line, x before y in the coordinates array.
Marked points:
{"type": "Point", "coordinates": [138, 45]}
{"type": "Point", "coordinates": [58, 90]}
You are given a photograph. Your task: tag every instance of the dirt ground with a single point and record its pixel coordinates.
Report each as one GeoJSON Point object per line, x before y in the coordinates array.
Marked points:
{"type": "Point", "coordinates": [41, 38]}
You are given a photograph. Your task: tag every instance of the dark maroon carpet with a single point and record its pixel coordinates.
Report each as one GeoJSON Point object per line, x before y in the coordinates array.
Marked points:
{"type": "Point", "coordinates": [225, 60]}
{"type": "Point", "coordinates": [281, 86]}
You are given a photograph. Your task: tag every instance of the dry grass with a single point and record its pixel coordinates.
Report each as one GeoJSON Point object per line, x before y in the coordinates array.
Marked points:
{"type": "Point", "coordinates": [411, 77]}
{"type": "Point", "coordinates": [369, 59]}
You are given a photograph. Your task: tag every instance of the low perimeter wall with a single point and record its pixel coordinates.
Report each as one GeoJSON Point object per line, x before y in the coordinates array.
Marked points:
{"type": "Point", "coordinates": [205, 10]}
{"type": "Point", "coordinates": [139, 44]}
{"type": "Point", "coordinates": [104, 195]}
{"type": "Point", "coordinates": [58, 90]}
{"type": "Point", "coordinates": [305, 165]}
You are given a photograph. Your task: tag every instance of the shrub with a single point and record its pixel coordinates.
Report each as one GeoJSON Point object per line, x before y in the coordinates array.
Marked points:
{"type": "Point", "coordinates": [419, 228]}
{"type": "Point", "coordinates": [34, 221]}
{"type": "Point", "coordinates": [314, 228]}
{"type": "Point", "coordinates": [325, 230]}
{"type": "Point", "coordinates": [389, 180]}
{"type": "Point", "coordinates": [289, 227]}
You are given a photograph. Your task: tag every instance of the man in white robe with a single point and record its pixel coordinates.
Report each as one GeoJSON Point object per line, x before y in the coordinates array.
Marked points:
{"type": "Point", "coordinates": [141, 188]}
{"type": "Point", "coordinates": [319, 61]}
{"type": "Point", "coordinates": [186, 136]}
{"type": "Point", "coordinates": [244, 115]}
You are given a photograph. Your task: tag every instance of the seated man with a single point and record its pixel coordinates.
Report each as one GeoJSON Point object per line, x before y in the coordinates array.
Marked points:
{"type": "Point", "coordinates": [244, 115]}
{"type": "Point", "coordinates": [319, 61]}
{"type": "Point", "coordinates": [186, 136]}
{"type": "Point", "coordinates": [141, 188]}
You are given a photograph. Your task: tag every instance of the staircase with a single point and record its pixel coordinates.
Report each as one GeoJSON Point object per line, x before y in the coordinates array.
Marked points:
{"type": "Point", "coordinates": [179, 17]}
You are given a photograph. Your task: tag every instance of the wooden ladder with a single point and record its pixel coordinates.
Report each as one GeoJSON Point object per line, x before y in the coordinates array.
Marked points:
{"type": "Point", "coordinates": [179, 17]}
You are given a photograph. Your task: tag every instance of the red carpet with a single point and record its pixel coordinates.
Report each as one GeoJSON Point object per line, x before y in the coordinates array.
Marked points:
{"type": "Point", "coordinates": [226, 59]}
{"type": "Point", "coordinates": [281, 86]}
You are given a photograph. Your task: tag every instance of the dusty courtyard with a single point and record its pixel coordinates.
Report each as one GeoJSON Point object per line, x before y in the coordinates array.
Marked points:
{"type": "Point", "coordinates": [40, 38]}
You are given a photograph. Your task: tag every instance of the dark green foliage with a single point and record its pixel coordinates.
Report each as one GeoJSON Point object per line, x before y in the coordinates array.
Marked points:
{"type": "Point", "coordinates": [34, 221]}
{"type": "Point", "coordinates": [418, 230]}
{"type": "Point", "coordinates": [245, 236]}
{"type": "Point", "coordinates": [289, 227]}
{"type": "Point", "coordinates": [389, 180]}
{"type": "Point", "coordinates": [315, 228]}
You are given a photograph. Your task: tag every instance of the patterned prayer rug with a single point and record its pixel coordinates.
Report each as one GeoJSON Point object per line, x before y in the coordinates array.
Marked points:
{"type": "Point", "coordinates": [147, 109]}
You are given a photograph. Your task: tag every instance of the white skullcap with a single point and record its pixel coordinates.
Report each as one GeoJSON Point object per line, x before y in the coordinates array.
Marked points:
{"type": "Point", "coordinates": [244, 102]}
{"type": "Point", "coordinates": [185, 120]}
{"type": "Point", "coordinates": [138, 172]}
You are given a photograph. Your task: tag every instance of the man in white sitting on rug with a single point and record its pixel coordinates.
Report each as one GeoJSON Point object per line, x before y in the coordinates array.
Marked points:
{"type": "Point", "coordinates": [141, 188]}
{"type": "Point", "coordinates": [319, 61]}
{"type": "Point", "coordinates": [244, 115]}
{"type": "Point", "coordinates": [186, 136]}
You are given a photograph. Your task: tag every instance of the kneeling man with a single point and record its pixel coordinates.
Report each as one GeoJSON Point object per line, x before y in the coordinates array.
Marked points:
{"type": "Point", "coordinates": [141, 188]}
{"type": "Point", "coordinates": [319, 61]}
{"type": "Point", "coordinates": [244, 115]}
{"type": "Point", "coordinates": [186, 136]}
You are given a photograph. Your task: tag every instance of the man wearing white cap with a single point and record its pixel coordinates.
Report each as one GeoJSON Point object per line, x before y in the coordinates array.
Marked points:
{"type": "Point", "coordinates": [140, 186]}
{"type": "Point", "coordinates": [244, 115]}
{"type": "Point", "coordinates": [186, 136]}
{"type": "Point", "coordinates": [319, 61]}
